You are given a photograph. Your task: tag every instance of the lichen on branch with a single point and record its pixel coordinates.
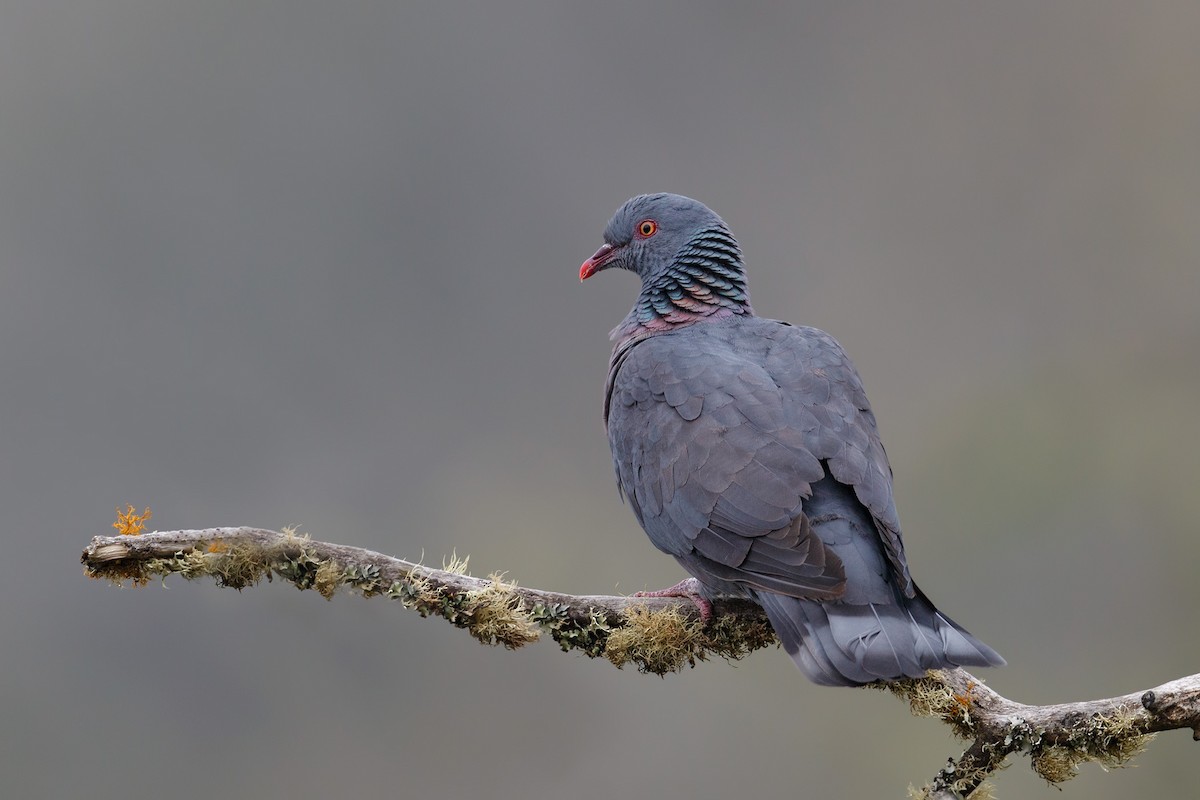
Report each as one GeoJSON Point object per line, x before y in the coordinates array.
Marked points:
{"type": "Point", "coordinates": [657, 635]}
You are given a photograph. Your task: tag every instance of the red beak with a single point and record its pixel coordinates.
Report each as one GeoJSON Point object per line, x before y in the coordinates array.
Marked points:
{"type": "Point", "coordinates": [597, 262]}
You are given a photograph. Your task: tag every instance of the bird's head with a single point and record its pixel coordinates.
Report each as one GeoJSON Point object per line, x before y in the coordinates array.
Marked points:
{"type": "Point", "coordinates": [650, 232]}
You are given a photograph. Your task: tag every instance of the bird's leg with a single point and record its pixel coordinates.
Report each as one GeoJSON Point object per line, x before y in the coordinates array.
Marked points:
{"type": "Point", "coordinates": [689, 588]}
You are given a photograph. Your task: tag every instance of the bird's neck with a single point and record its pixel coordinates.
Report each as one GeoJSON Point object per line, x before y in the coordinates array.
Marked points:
{"type": "Point", "coordinates": [704, 283]}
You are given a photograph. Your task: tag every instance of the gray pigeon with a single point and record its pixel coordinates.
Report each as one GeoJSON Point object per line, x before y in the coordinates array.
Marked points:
{"type": "Point", "coordinates": [749, 452]}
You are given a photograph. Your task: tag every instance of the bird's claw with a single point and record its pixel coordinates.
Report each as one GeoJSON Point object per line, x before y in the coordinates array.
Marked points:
{"type": "Point", "coordinates": [689, 588]}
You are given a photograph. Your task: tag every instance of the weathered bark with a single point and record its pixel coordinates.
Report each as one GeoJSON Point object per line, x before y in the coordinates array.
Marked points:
{"type": "Point", "coordinates": [1056, 737]}
{"type": "Point", "coordinates": [658, 635]}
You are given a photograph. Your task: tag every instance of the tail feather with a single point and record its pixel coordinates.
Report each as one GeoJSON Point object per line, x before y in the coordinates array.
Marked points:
{"type": "Point", "coordinates": [842, 644]}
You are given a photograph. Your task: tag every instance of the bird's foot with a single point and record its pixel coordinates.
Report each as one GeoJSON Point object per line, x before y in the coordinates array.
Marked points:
{"type": "Point", "coordinates": [689, 588]}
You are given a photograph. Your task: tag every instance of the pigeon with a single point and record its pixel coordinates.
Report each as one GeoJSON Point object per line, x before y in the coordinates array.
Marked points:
{"type": "Point", "coordinates": [748, 451]}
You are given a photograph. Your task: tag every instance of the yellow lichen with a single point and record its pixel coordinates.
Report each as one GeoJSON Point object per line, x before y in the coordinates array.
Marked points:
{"type": "Point", "coordinates": [415, 591]}
{"type": "Point", "coordinates": [496, 614]}
{"type": "Point", "coordinates": [292, 535]}
{"type": "Point", "coordinates": [657, 641]}
{"type": "Point", "coordinates": [239, 567]}
{"type": "Point", "coordinates": [932, 697]}
{"type": "Point", "coordinates": [1057, 764]}
{"type": "Point", "coordinates": [327, 579]}
{"type": "Point", "coordinates": [130, 522]}
{"type": "Point", "coordinates": [1110, 740]}
{"type": "Point", "coordinates": [1117, 739]}
{"type": "Point", "coordinates": [455, 565]}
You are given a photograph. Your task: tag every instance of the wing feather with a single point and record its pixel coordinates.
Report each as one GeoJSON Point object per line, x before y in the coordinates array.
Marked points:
{"type": "Point", "coordinates": [719, 432]}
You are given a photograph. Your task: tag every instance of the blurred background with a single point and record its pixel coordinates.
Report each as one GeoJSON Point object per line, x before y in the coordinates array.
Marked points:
{"type": "Point", "coordinates": [305, 263]}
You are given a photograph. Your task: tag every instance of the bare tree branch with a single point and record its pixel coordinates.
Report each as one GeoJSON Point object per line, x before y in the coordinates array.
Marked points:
{"type": "Point", "coordinates": [658, 635]}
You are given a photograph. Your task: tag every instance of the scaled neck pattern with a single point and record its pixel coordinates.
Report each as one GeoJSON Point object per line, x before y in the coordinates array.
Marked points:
{"type": "Point", "coordinates": [705, 282]}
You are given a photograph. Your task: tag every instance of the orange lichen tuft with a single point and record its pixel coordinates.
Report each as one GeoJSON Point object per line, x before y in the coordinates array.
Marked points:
{"type": "Point", "coordinates": [130, 522]}
{"type": "Point", "coordinates": [218, 547]}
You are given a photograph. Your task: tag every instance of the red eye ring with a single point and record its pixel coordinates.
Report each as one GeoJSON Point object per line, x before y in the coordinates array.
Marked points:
{"type": "Point", "coordinates": [647, 228]}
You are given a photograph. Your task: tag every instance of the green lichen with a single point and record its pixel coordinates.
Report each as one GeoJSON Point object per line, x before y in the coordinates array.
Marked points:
{"type": "Point", "coordinates": [965, 777]}
{"type": "Point", "coordinates": [732, 637]}
{"type": "Point", "coordinates": [364, 578]}
{"type": "Point", "coordinates": [414, 592]}
{"type": "Point", "coordinates": [588, 634]}
{"type": "Point", "coordinates": [298, 567]}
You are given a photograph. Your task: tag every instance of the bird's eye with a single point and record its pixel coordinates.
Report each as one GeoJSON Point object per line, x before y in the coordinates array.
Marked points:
{"type": "Point", "coordinates": [647, 228]}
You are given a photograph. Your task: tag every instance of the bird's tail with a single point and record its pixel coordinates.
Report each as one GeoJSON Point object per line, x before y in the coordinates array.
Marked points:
{"type": "Point", "coordinates": [840, 644]}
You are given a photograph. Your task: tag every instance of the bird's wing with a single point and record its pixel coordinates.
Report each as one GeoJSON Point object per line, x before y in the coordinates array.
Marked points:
{"type": "Point", "coordinates": [719, 432]}
{"type": "Point", "coordinates": [814, 374]}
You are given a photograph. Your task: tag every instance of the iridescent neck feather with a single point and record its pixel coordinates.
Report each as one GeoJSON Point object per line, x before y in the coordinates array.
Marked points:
{"type": "Point", "coordinates": [705, 282]}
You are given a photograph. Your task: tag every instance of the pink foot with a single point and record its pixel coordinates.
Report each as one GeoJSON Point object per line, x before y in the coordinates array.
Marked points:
{"type": "Point", "coordinates": [689, 588]}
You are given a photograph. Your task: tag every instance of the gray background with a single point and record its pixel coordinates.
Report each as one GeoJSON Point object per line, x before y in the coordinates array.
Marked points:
{"type": "Point", "coordinates": [316, 264]}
